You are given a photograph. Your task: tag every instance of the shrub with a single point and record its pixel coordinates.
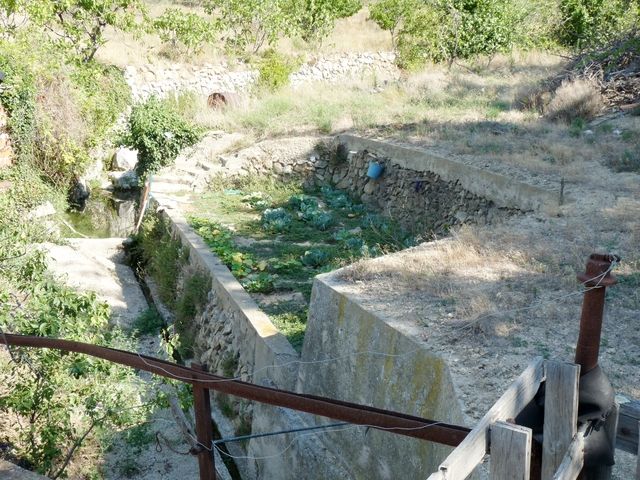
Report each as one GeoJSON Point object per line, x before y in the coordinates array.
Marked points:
{"type": "Point", "coordinates": [148, 322]}
{"type": "Point", "coordinates": [575, 99]}
{"type": "Point", "coordinates": [158, 133]}
{"type": "Point", "coordinates": [587, 22]}
{"type": "Point", "coordinates": [262, 283]}
{"type": "Point", "coordinates": [274, 70]}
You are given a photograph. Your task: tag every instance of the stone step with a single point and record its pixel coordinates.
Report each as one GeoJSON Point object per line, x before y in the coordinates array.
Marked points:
{"type": "Point", "coordinates": [162, 187]}
{"type": "Point", "coordinates": [172, 178]}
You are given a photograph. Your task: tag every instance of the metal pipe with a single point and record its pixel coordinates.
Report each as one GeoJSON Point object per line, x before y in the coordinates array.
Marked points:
{"type": "Point", "coordinates": [596, 278]}
{"type": "Point", "coordinates": [390, 421]}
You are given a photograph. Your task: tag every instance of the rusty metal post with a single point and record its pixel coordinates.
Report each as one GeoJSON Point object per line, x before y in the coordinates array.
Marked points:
{"type": "Point", "coordinates": [596, 278]}
{"type": "Point", "coordinates": [204, 433]}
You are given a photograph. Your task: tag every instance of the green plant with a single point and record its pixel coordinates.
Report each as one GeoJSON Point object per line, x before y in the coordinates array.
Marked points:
{"type": "Point", "coordinates": [389, 15]}
{"type": "Point", "coordinates": [588, 22]}
{"type": "Point", "coordinates": [250, 23]}
{"type": "Point", "coordinates": [158, 133]}
{"type": "Point", "coordinates": [262, 283]}
{"type": "Point", "coordinates": [80, 24]}
{"type": "Point", "coordinates": [191, 301]}
{"type": "Point", "coordinates": [276, 220]}
{"type": "Point", "coordinates": [186, 30]}
{"type": "Point", "coordinates": [139, 436]}
{"type": "Point", "coordinates": [313, 20]}
{"type": "Point", "coordinates": [229, 365]}
{"type": "Point", "coordinates": [148, 322]}
{"type": "Point", "coordinates": [274, 69]}
{"type": "Point", "coordinates": [315, 258]}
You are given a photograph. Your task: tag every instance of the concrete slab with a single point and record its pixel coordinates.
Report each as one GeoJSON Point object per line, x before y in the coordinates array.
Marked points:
{"type": "Point", "coordinates": [9, 471]}
{"type": "Point", "coordinates": [97, 264]}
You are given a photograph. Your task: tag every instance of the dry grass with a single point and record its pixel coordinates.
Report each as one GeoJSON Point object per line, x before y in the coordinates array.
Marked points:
{"type": "Point", "coordinates": [575, 99]}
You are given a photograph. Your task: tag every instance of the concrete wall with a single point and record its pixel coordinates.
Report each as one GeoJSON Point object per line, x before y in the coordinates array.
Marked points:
{"type": "Point", "coordinates": [417, 383]}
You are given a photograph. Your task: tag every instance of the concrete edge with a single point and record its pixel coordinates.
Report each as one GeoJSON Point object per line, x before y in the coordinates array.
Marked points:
{"type": "Point", "coordinates": [503, 191]}
{"type": "Point", "coordinates": [224, 281]}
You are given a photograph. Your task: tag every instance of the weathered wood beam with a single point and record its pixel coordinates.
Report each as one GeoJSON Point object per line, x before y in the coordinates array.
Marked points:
{"type": "Point", "coordinates": [464, 459]}
{"type": "Point", "coordinates": [510, 452]}
{"type": "Point", "coordinates": [560, 413]}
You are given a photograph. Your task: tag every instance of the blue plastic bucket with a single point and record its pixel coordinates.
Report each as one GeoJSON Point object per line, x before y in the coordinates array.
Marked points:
{"type": "Point", "coordinates": [375, 170]}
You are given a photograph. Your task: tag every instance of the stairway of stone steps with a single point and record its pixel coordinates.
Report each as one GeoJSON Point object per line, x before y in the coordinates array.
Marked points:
{"type": "Point", "coordinates": [194, 167]}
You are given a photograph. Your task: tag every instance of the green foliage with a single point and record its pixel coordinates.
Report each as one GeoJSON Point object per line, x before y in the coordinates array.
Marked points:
{"type": "Point", "coordinates": [589, 22]}
{"type": "Point", "coordinates": [148, 322]}
{"type": "Point", "coordinates": [262, 283]}
{"type": "Point", "coordinates": [80, 24]}
{"type": "Point", "coordinates": [190, 302]}
{"type": "Point", "coordinates": [314, 19]}
{"type": "Point", "coordinates": [274, 70]}
{"type": "Point", "coordinates": [315, 258]}
{"type": "Point", "coordinates": [389, 15]}
{"type": "Point", "coordinates": [251, 24]}
{"type": "Point", "coordinates": [186, 31]}
{"type": "Point", "coordinates": [158, 133]}
{"type": "Point", "coordinates": [58, 109]}
{"type": "Point", "coordinates": [161, 256]}
{"type": "Point", "coordinates": [276, 220]}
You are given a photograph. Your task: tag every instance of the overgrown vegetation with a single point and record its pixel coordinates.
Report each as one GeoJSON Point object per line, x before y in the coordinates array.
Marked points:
{"type": "Point", "coordinates": [58, 109]}
{"type": "Point", "coordinates": [158, 133]}
{"type": "Point", "coordinates": [275, 238]}
{"type": "Point", "coordinates": [62, 401]}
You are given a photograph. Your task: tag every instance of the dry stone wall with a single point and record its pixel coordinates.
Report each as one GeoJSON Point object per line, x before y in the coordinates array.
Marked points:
{"type": "Point", "coordinates": [418, 200]}
{"type": "Point", "coordinates": [150, 80]}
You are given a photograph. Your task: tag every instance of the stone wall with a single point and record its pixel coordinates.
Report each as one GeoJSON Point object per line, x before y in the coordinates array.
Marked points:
{"type": "Point", "coordinates": [418, 199]}
{"type": "Point", "coordinates": [150, 80]}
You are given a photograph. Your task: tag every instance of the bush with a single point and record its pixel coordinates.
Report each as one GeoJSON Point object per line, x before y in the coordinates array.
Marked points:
{"type": "Point", "coordinates": [575, 99]}
{"type": "Point", "coordinates": [274, 70]}
{"type": "Point", "coordinates": [314, 19]}
{"type": "Point", "coordinates": [315, 258]}
{"type": "Point", "coordinates": [588, 22]}
{"type": "Point", "coordinates": [57, 109]}
{"type": "Point", "coordinates": [158, 133]}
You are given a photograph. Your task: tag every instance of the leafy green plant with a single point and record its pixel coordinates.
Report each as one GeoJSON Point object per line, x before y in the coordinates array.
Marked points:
{"type": "Point", "coordinates": [80, 24]}
{"type": "Point", "coordinates": [315, 258]}
{"type": "Point", "coordinates": [250, 24]}
{"type": "Point", "coordinates": [262, 283]}
{"type": "Point", "coordinates": [148, 322]}
{"type": "Point", "coordinates": [314, 19]}
{"type": "Point", "coordinates": [187, 31]}
{"type": "Point", "coordinates": [158, 133]}
{"type": "Point", "coordinates": [258, 200]}
{"type": "Point", "coordinates": [588, 22]}
{"type": "Point", "coordinates": [276, 220]}
{"type": "Point", "coordinates": [274, 70]}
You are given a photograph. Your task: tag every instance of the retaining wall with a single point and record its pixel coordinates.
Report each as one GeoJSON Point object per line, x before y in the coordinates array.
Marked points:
{"type": "Point", "coordinates": [232, 326]}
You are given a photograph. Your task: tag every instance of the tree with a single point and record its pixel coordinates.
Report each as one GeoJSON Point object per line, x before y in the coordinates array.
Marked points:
{"type": "Point", "coordinates": [250, 24]}
{"type": "Point", "coordinates": [185, 28]}
{"type": "Point", "coordinates": [80, 24]}
{"type": "Point", "coordinates": [587, 22]}
{"type": "Point", "coordinates": [390, 14]}
{"type": "Point", "coordinates": [314, 19]}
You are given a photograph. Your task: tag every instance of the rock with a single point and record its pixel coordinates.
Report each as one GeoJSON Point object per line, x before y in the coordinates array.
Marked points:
{"type": "Point", "coordinates": [124, 159]}
{"type": "Point", "coordinates": [79, 193]}
{"type": "Point", "coordinates": [124, 180]}
{"type": "Point", "coordinates": [45, 210]}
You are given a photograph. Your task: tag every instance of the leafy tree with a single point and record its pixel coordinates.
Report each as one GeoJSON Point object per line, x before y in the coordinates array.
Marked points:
{"type": "Point", "coordinates": [587, 22]}
{"type": "Point", "coordinates": [251, 24]}
{"type": "Point", "coordinates": [314, 19]}
{"type": "Point", "coordinates": [390, 14]}
{"type": "Point", "coordinates": [186, 29]}
{"type": "Point", "coordinates": [80, 24]}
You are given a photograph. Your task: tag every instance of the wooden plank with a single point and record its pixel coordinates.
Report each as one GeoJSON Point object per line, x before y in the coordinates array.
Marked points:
{"type": "Point", "coordinates": [628, 418]}
{"type": "Point", "coordinates": [510, 452]}
{"type": "Point", "coordinates": [204, 431]}
{"type": "Point", "coordinates": [560, 413]}
{"type": "Point", "coordinates": [573, 461]}
{"type": "Point", "coordinates": [464, 459]}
